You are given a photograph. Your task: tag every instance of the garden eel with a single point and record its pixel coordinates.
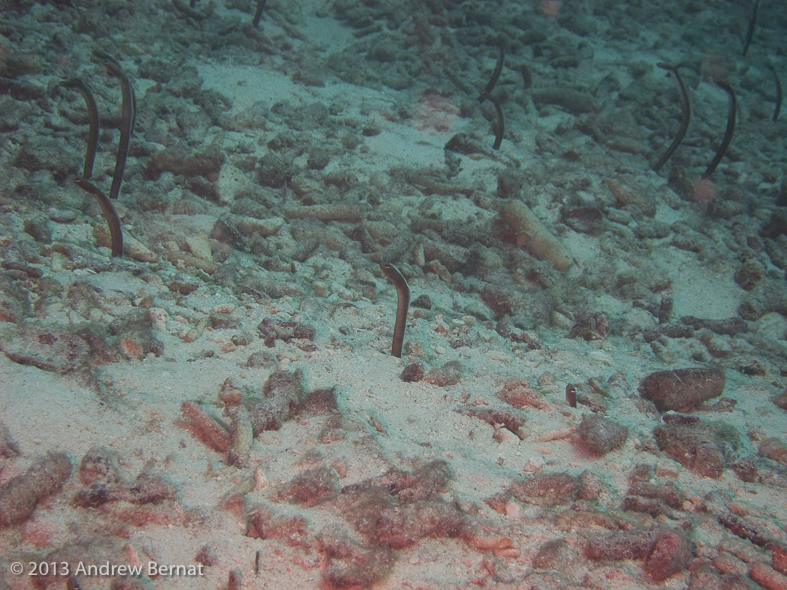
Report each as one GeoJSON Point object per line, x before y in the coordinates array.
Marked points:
{"type": "Point", "coordinates": [750, 30]}
{"type": "Point", "coordinates": [778, 94]}
{"type": "Point", "coordinates": [725, 143]}
{"type": "Point", "coordinates": [92, 113]}
{"type": "Point", "coordinates": [403, 293]}
{"type": "Point", "coordinates": [110, 214]}
{"type": "Point", "coordinates": [501, 55]}
{"type": "Point", "coordinates": [500, 126]}
{"type": "Point", "coordinates": [129, 114]}
{"type": "Point", "coordinates": [258, 13]}
{"type": "Point", "coordinates": [571, 395]}
{"type": "Point", "coordinates": [684, 123]}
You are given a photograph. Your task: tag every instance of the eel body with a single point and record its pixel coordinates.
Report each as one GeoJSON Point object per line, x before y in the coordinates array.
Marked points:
{"type": "Point", "coordinates": [403, 304]}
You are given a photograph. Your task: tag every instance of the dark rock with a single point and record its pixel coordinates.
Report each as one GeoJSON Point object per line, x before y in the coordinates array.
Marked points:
{"type": "Point", "coordinates": [275, 170]}
{"type": "Point", "coordinates": [206, 162]}
{"type": "Point", "coordinates": [547, 489]}
{"type": "Point", "coordinates": [748, 275]}
{"type": "Point", "coordinates": [553, 555]}
{"type": "Point", "coordinates": [449, 374]}
{"type": "Point", "coordinates": [601, 435]}
{"type": "Point", "coordinates": [404, 526]}
{"type": "Point", "coordinates": [682, 388]}
{"type": "Point", "coordinates": [412, 373]}
{"type": "Point", "coordinates": [765, 297]}
{"type": "Point", "coordinates": [422, 302]}
{"type": "Point", "coordinates": [590, 326]}
{"type": "Point", "coordinates": [14, 304]}
{"type": "Point", "coordinates": [48, 349]}
{"type": "Point", "coordinates": [100, 466]}
{"type": "Point", "coordinates": [8, 446]}
{"type": "Point", "coordinates": [135, 339]}
{"type": "Point", "coordinates": [695, 446]}
{"type": "Point", "coordinates": [38, 228]}
{"type": "Point", "coordinates": [282, 395]}
{"type": "Point", "coordinates": [510, 420]}
{"type": "Point", "coordinates": [670, 554]}
{"type": "Point", "coordinates": [272, 330]}
{"type": "Point", "coordinates": [310, 487]}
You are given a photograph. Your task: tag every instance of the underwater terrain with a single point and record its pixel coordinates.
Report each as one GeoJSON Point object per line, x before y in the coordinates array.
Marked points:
{"type": "Point", "coordinates": [211, 214]}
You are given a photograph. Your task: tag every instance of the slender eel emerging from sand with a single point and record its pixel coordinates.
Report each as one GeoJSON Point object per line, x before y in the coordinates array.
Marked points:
{"type": "Point", "coordinates": [129, 115]}
{"type": "Point", "coordinates": [110, 214]}
{"type": "Point", "coordinates": [725, 143]}
{"type": "Point", "coordinates": [571, 395]}
{"type": "Point", "coordinates": [403, 304]}
{"type": "Point", "coordinates": [686, 117]}
{"type": "Point", "coordinates": [258, 12]}
{"type": "Point", "coordinates": [778, 108]}
{"type": "Point", "coordinates": [92, 113]}
{"type": "Point", "coordinates": [750, 30]}
{"type": "Point", "coordinates": [501, 56]}
{"type": "Point", "coordinates": [500, 125]}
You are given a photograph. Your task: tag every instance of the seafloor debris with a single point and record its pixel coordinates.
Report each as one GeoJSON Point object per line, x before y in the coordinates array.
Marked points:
{"type": "Point", "coordinates": [682, 388]}
{"type": "Point", "coordinates": [774, 449]}
{"type": "Point", "coordinates": [8, 446]}
{"type": "Point", "coordinates": [20, 495]}
{"type": "Point", "coordinates": [665, 551]}
{"type": "Point", "coordinates": [205, 427]}
{"type": "Point", "coordinates": [600, 435]}
{"type": "Point", "coordinates": [310, 487]}
{"type": "Point", "coordinates": [508, 419]}
{"type": "Point", "coordinates": [412, 373]}
{"type": "Point", "coordinates": [518, 393]}
{"type": "Point", "coordinates": [547, 489]}
{"type": "Point", "coordinates": [530, 233]}
{"type": "Point", "coordinates": [272, 330]}
{"type": "Point", "coordinates": [449, 374]}
{"type": "Point", "coordinates": [698, 446]}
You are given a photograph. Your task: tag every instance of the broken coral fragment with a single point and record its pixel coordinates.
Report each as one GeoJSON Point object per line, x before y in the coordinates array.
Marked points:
{"type": "Point", "coordinates": [530, 233]}
{"type": "Point", "coordinates": [205, 427]}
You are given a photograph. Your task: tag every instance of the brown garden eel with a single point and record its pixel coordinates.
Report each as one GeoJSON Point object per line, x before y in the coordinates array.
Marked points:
{"type": "Point", "coordinates": [403, 304]}
{"type": "Point", "coordinates": [129, 115]}
{"type": "Point", "coordinates": [92, 113]}
{"type": "Point", "coordinates": [110, 214]}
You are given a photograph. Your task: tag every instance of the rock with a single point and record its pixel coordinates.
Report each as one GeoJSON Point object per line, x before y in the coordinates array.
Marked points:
{"type": "Point", "coordinates": [412, 373]}
{"type": "Point", "coordinates": [100, 466]}
{"type": "Point", "coordinates": [47, 349]}
{"type": "Point", "coordinates": [682, 388]}
{"type": "Point", "coordinates": [20, 495]}
{"type": "Point", "coordinates": [601, 435]}
{"type": "Point", "coordinates": [695, 446]}
{"type": "Point", "coordinates": [281, 396]}
{"type": "Point", "coordinates": [8, 446]}
{"type": "Point", "coordinates": [670, 554]}
{"type": "Point", "coordinates": [449, 374]}
{"type": "Point", "coordinates": [547, 489]}
{"type": "Point", "coordinates": [665, 551]}
{"type": "Point", "coordinates": [774, 449]}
